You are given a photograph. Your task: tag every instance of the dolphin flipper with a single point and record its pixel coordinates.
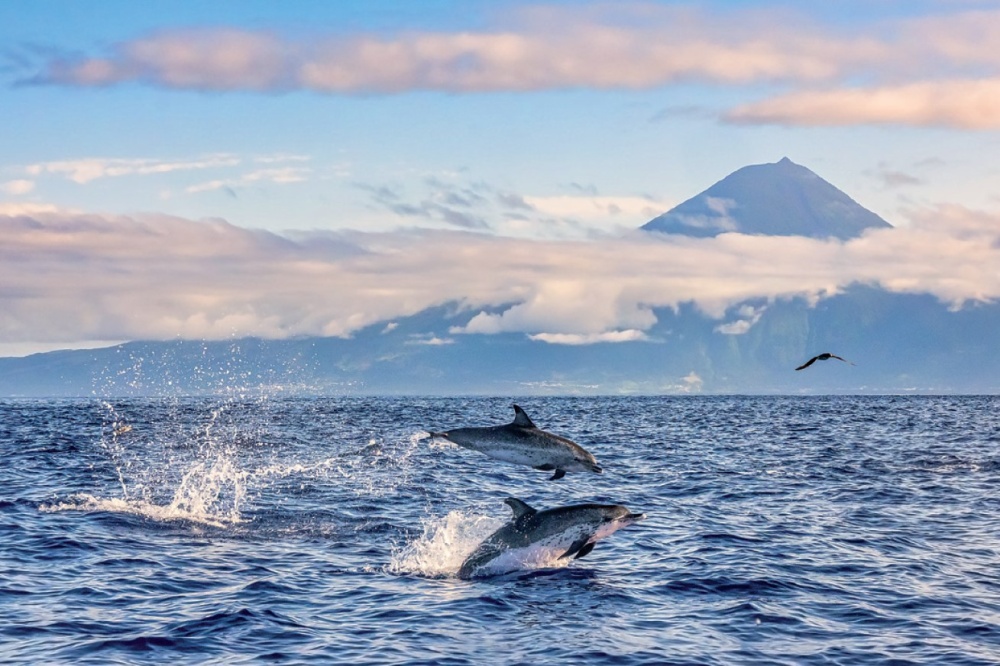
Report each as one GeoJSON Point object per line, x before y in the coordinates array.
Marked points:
{"type": "Point", "coordinates": [585, 550]}
{"type": "Point", "coordinates": [577, 547]}
{"type": "Point", "coordinates": [560, 473]}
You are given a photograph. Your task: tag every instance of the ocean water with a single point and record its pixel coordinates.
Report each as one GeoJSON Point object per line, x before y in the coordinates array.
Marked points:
{"type": "Point", "coordinates": [254, 529]}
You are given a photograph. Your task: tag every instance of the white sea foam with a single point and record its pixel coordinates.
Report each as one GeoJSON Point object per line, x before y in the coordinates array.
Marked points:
{"type": "Point", "coordinates": [209, 493]}
{"type": "Point", "coordinates": [444, 545]}
{"type": "Point", "coordinates": [160, 513]}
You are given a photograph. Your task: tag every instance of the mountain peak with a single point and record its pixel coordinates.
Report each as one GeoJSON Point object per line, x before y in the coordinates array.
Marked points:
{"type": "Point", "coordinates": [776, 199]}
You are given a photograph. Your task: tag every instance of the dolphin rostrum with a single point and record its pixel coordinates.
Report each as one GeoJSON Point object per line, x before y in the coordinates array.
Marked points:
{"type": "Point", "coordinates": [541, 538]}
{"type": "Point", "coordinates": [522, 443]}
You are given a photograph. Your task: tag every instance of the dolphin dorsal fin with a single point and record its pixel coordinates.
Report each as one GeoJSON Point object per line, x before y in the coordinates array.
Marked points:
{"type": "Point", "coordinates": [519, 508]}
{"type": "Point", "coordinates": [521, 418]}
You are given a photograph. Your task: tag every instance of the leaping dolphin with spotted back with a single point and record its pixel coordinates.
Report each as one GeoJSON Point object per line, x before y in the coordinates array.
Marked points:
{"type": "Point", "coordinates": [542, 538]}
{"type": "Point", "coordinates": [522, 443]}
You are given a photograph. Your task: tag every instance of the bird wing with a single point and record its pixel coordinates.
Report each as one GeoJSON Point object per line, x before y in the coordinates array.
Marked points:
{"type": "Point", "coordinates": [840, 359]}
{"type": "Point", "coordinates": [807, 363]}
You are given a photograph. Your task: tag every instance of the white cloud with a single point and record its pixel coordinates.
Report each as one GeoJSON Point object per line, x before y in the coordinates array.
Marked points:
{"type": "Point", "coordinates": [451, 201]}
{"type": "Point", "coordinates": [937, 69]}
{"type": "Point", "coordinates": [278, 176]}
{"type": "Point", "coordinates": [429, 339]}
{"type": "Point", "coordinates": [86, 170]}
{"type": "Point", "coordinates": [965, 104]}
{"type": "Point", "coordinates": [630, 335]}
{"type": "Point", "coordinates": [636, 45]}
{"type": "Point", "coordinates": [74, 277]}
{"type": "Point", "coordinates": [692, 382]}
{"type": "Point", "coordinates": [93, 168]}
{"type": "Point", "coordinates": [17, 187]}
{"type": "Point", "coordinates": [281, 157]}
{"type": "Point", "coordinates": [28, 208]}
{"type": "Point", "coordinates": [598, 206]}
{"type": "Point", "coordinates": [749, 315]}
{"type": "Point", "coordinates": [639, 47]}
{"type": "Point", "coordinates": [719, 220]}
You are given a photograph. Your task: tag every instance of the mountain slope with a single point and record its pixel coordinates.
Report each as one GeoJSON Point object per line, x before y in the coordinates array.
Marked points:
{"type": "Point", "coordinates": [900, 343]}
{"type": "Point", "coordinates": [779, 199]}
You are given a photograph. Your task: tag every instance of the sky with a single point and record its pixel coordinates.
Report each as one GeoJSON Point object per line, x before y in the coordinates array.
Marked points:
{"type": "Point", "coordinates": [189, 170]}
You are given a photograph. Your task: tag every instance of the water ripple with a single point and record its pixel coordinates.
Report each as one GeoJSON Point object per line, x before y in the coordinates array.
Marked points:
{"type": "Point", "coordinates": [782, 530]}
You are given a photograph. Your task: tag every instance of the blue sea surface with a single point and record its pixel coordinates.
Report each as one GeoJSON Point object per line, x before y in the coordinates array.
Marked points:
{"type": "Point", "coordinates": [242, 529]}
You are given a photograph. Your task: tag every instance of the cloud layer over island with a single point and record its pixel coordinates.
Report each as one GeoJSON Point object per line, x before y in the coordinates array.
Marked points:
{"type": "Point", "coordinates": [74, 278]}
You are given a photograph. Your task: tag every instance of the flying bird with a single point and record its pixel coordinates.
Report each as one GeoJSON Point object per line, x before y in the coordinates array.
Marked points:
{"type": "Point", "coordinates": [821, 357]}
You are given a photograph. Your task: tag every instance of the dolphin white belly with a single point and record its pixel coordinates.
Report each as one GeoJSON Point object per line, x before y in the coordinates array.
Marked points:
{"type": "Point", "coordinates": [541, 555]}
{"type": "Point", "coordinates": [535, 539]}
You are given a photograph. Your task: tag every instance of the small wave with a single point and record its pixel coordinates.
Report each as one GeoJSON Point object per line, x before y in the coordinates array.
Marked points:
{"type": "Point", "coordinates": [160, 513]}
{"type": "Point", "coordinates": [281, 470]}
{"type": "Point", "coordinates": [208, 493]}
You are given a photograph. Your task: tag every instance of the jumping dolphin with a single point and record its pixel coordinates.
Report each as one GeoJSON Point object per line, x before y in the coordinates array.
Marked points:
{"type": "Point", "coordinates": [522, 443]}
{"type": "Point", "coordinates": [826, 356]}
{"type": "Point", "coordinates": [540, 538]}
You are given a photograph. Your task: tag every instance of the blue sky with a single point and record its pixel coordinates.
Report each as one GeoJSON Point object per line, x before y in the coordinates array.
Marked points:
{"type": "Point", "coordinates": [339, 130]}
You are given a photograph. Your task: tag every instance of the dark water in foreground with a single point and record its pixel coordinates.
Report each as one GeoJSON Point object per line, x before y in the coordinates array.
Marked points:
{"type": "Point", "coordinates": [840, 530]}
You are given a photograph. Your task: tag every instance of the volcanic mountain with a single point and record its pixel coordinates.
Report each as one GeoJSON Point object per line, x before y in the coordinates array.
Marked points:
{"type": "Point", "coordinates": [779, 199]}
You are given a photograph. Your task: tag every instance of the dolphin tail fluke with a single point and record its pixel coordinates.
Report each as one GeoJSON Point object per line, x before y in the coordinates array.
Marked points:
{"type": "Point", "coordinates": [560, 473]}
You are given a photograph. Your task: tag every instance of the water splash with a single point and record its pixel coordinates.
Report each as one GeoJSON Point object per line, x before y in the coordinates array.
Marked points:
{"type": "Point", "coordinates": [169, 513]}
{"type": "Point", "coordinates": [114, 427]}
{"type": "Point", "coordinates": [166, 470]}
{"type": "Point", "coordinates": [236, 368]}
{"type": "Point", "coordinates": [178, 459]}
{"type": "Point", "coordinates": [444, 545]}
{"type": "Point", "coordinates": [213, 491]}
{"type": "Point", "coordinates": [210, 494]}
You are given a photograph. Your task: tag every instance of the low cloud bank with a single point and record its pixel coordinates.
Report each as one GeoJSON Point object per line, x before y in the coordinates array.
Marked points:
{"type": "Point", "coordinates": [72, 278]}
